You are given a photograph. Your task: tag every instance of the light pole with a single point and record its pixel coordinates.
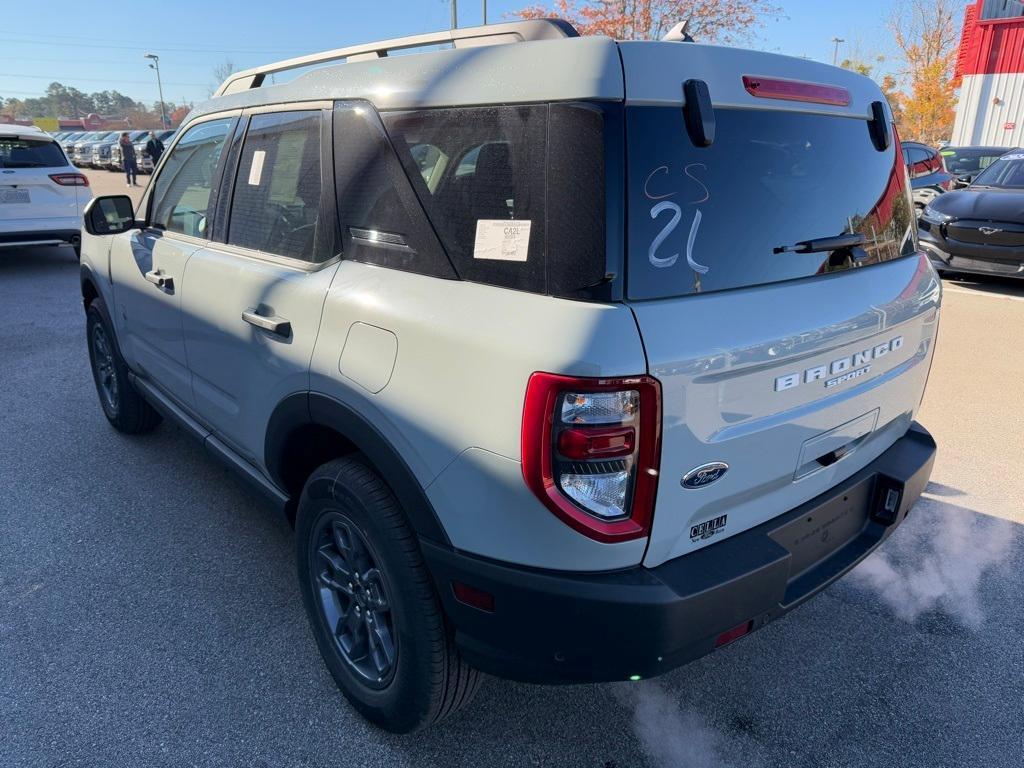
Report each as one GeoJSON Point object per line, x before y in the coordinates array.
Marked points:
{"type": "Point", "coordinates": [156, 65]}
{"type": "Point", "coordinates": [455, 14]}
{"type": "Point", "coordinates": [835, 55]}
{"type": "Point", "coordinates": [485, 11]}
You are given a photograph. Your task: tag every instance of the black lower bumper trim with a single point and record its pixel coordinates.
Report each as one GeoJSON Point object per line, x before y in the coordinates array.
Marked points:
{"type": "Point", "coordinates": [558, 627]}
{"type": "Point", "coordinates": [42, 235]}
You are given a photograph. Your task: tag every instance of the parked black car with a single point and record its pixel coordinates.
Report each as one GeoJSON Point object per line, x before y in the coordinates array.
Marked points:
{"type": "Point", "coordinates": [967, 162]}
{"type": "Point", "coordinates": [980, 229]}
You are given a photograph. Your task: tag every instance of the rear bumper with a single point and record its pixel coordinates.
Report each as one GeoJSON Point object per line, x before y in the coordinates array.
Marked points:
{"type": "Point", "coordinates": [557, 627]}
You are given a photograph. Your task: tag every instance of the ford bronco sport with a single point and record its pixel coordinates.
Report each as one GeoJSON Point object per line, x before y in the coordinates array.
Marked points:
{"type": "Point", "coordinates": [570, 359]}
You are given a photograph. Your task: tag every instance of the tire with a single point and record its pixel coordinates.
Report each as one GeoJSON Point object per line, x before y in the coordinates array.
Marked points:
{"type": "Point", "coordinates": [78, 250]}
{"type": "Point", "coordinates": [345, 505]}
{"type": "Point", "coordinates": [123, 406]}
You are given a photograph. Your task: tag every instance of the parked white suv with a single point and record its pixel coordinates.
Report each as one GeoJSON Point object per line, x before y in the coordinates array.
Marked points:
{"type": "Point", "coordinates": [570, 359]}
{"type": "Point", "coordinates": [42, 195]}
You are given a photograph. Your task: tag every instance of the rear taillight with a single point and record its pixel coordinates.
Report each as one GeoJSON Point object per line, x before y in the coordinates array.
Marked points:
{"type": "Point", "coordinates": [591, 450]}
{"type": "Point", "coordinates": [796, 90]}
{"type": "Point", "coordinates": [70, 179]}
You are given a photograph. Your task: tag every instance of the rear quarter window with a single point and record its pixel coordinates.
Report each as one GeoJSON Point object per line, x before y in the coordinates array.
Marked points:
{"type": "Point", "coordinates": [536, 169]}
{"type": "Point", "coordinates": [30, 153]}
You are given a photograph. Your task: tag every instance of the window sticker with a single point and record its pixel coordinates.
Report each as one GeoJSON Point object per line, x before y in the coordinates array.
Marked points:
{"type": "Point", "coordinates": [256, 171]}
{"type": "Point", "coordinates": [502, 239]}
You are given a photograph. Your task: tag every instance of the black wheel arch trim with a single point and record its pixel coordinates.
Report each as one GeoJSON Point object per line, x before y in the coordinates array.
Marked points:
{"type": "Point", "coordinates": [314, 408]}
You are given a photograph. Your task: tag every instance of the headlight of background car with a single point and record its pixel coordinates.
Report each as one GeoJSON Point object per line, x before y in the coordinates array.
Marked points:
{"type": "Point", "coordinates": [932, 216]}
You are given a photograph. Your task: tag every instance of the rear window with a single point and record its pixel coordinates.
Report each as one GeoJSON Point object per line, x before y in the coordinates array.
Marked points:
{"type": "Point", "coordinates": [30, 153]}
{"type": "Point", "coordinates": [717, 218]}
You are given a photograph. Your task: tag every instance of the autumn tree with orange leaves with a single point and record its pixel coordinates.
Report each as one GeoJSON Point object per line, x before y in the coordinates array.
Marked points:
{"type": "Point", "coordinates": [927, 36]}
{"type": "Point", "coordinates": [711, 21]}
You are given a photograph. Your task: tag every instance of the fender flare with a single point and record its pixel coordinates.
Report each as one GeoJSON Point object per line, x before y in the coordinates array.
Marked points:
{"type": "Point", "coordinates": [314, 408]}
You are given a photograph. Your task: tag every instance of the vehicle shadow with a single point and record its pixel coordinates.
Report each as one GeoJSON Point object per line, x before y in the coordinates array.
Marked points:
{"type": "Point", "coordinates": [881, 669]}
{"type": "Point", "coordinates": [1006, 286]}
{"type": "Point", "coordinates": [35, 262]}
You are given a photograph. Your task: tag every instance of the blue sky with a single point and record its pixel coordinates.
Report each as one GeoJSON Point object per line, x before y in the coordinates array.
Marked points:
{"type": "Point", "coordinates": [100, 47]}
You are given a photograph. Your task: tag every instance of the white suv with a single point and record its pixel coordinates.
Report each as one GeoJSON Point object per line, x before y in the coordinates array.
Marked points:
{"type": "Point", "coordinates": [42, 195]}
{"type": "Point", "coordinates": [570, 359]}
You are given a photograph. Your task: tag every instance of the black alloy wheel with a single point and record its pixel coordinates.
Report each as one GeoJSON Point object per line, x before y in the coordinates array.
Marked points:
{"type": "Point", "coordinates": [353, 598]}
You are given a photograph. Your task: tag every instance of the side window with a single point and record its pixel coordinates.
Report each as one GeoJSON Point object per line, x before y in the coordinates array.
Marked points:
{"type": "Point", "coordinates": [381, 221]}
{"type": "Point", "coordinates": [431, 161]}
{"type": "Point", "coordinates": [181, 192]}
{"type": "Point", "coordinates": [521, 203]}
{"type": "Point", "coordinates": [276, 203]}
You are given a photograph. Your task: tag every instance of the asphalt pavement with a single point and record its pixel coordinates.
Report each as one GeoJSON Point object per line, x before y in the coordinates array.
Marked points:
{"type": "Point", "coordinates": [149, 613]}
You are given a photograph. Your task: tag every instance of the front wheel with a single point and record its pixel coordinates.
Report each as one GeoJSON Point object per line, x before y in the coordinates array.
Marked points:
{"type": "Point", "coordinates": [123, 406]}
{"type": "Point", "coordinates": [371, 603]}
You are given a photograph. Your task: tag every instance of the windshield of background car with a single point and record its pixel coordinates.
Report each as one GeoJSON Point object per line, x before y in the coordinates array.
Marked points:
{"type": "Point", "coordinates": [30, 153]}
{"type": "Point", "coordinates": [1005, 173]}
{"type": "Point", "coordinates": [716, 218]}
{"type": "Point", "coordinates": [961, 160]}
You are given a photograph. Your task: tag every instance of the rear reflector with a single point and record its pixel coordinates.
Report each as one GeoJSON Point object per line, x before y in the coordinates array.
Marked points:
{"type": "Point", "coordinates": [796, 90]}
{"type": "Point", "coordinates": [734, 634]}
{"type": "Point", "coordinates": [585, 444]}
{"type": "Point", "coordinates": [70, 179]}
{"type": "Point", "coordinates": [473, 597]}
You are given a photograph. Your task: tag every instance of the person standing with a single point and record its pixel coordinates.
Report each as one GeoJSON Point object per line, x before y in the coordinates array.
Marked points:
{"type": "Point", "coordinates": [154, 148]}
{"type": "Point", "coordinates": [131, 168]}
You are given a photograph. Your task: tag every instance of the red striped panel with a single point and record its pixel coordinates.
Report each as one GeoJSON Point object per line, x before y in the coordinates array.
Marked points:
{"type": "Point", "coordinates": [992, 47]}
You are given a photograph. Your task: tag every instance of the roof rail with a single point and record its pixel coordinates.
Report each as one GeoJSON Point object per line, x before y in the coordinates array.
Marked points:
{"type": "Point", "coordinates": [467, 37]}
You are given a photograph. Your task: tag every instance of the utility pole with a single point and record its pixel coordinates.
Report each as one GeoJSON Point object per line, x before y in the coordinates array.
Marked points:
{"type": "Point", "coordinates": [835, 56]}
{"type": "Point", "coordinates": [156, 65]}
{"type": "Point", "coordinates": [485, 11]}
{"type": "Point", "coordinates": [455, 14]}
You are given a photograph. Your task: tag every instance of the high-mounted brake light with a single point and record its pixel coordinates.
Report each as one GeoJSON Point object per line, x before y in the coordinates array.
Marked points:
{"type": "Point", "coordinates": [70, 179]}
{"type": "Point", "coordinates": [591, 449]}
{"type": "Point", "coordinates": [796, 90]}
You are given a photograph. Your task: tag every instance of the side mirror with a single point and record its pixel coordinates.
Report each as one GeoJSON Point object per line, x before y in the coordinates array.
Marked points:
{"type": "Point", "coordinates": [962, 181]}
{"type": "Point", "coordinates": [109, 215]}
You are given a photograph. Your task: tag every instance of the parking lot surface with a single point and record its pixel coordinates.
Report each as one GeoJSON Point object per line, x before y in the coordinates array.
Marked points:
{"type": "Point", "coordinates": [149, 612]}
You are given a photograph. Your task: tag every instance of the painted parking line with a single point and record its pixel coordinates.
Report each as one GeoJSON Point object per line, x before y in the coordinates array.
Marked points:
{"type": "Point", "coordinates": [981, 294]}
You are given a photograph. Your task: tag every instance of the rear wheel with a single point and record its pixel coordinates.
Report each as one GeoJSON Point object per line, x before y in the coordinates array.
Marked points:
{"type": "Point", "coordinates": [123, 406]}
{"type": "Point", "coordinates": [371, 603]}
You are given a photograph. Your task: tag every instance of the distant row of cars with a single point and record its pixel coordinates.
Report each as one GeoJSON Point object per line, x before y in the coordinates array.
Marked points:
{"type": "Point", "coordinates": [100, 149]}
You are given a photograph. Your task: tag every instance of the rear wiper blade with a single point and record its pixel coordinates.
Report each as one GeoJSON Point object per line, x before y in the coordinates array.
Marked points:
{"type": "Point", "coordinates": [823, 244]}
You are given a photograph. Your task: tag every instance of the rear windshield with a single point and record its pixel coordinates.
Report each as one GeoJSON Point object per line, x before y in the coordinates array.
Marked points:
{"type": "Point", "coordinates": [30, 153]}
{"type": "Point", "coordinates": [733, 214]}
{"type": "Point", "coordinates": [1005, 173]}
{"type": "Point", "coordinates": [970, 159]}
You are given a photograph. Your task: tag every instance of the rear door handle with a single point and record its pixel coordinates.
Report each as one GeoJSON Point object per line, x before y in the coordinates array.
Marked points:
{"type": "Point", "coordinates": [160, 280]}
{"type": "Point", "coordinates": [276, 325]}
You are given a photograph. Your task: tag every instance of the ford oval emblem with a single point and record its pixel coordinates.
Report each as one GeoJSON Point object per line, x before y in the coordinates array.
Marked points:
{"type": "Point", "coordinates": [705, 474]}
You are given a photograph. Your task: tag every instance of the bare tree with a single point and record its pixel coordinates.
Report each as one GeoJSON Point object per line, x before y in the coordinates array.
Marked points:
{"type": "Point", "coordinates": [221, 72]}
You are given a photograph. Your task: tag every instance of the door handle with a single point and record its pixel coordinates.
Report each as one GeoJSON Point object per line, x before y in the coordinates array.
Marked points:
{"type": "Point", "coordinates": [160, 280]}
{"type": "Point", "coordinates": [275, 325]}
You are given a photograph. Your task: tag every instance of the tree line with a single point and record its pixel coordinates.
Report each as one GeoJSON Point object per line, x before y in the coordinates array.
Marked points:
{"type": "Point", "coordinates": [68, 103]}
